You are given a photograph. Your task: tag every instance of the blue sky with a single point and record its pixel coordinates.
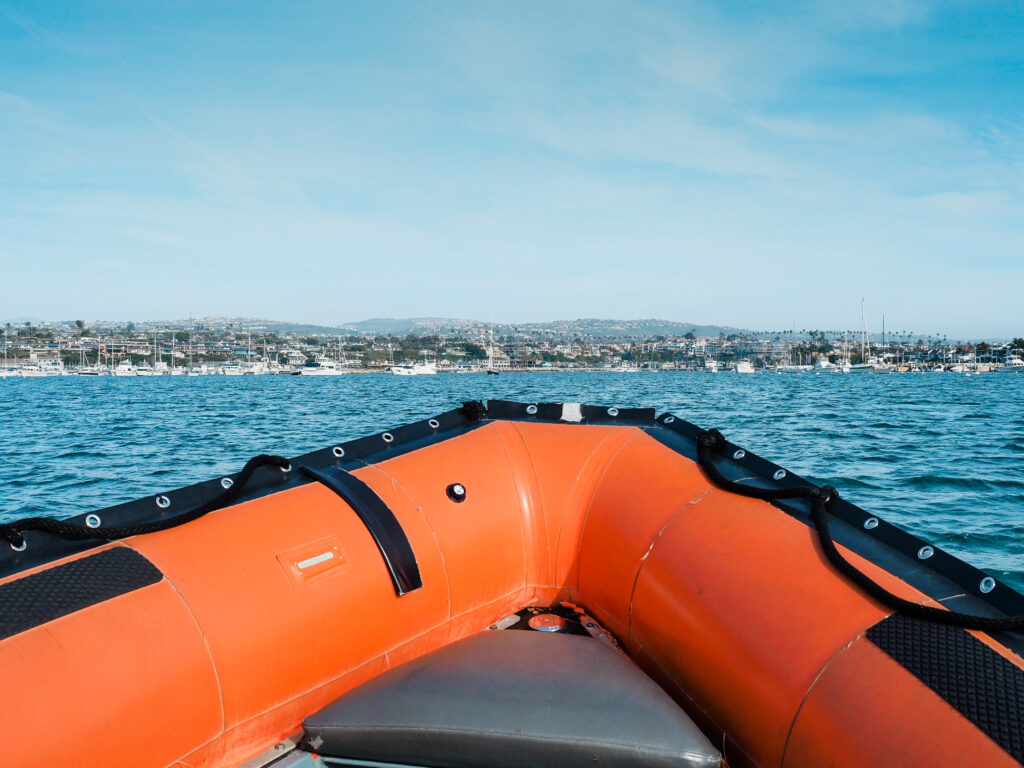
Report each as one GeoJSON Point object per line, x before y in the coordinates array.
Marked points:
{"type": "Point", "coordinates": [749, 164]}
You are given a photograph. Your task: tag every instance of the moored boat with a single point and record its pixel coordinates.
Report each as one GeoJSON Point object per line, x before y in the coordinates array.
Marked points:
{"type": "Point", "coordinates": [321, 366]}
{"type": "Point", "coordinates": [507, 584]}
{"type": "Point", "coordinates": [1012, 365]}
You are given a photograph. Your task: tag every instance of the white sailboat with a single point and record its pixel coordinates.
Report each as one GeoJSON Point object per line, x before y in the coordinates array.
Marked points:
{"type": "Point", "coordinates": [863, 366]}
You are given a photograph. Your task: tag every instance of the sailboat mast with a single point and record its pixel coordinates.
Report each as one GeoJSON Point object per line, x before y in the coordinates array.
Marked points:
{"type": "Point", "coordinates": [863, 333]}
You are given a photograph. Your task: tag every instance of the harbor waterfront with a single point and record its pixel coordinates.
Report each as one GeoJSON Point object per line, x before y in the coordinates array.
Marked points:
{"type": "Point", "coordinates": [245, 347]}
{"type": "Point", "coordinates": [938, 455]}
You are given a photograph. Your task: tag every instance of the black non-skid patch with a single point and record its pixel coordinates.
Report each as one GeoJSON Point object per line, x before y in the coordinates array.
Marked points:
{"type": "Point", "coordinates": [64, 589]}
{"type": "Point", "coordinates": [979, 683]}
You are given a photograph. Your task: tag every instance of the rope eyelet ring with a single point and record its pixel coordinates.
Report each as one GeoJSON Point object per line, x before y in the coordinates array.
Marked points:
{"type": "Point", "coordinates": [93, 520]}
{"type": "Point", "coordinates": [871, 522]}
{"type": "Point", "coordinates": [24, 545]}
{"type": "Point", "coordinates": [387, 437]}
{"type": "Point", "coordinates": [531, 409]}
{"type": "Point", "coordinates": [779, 474]}
{"type": "Point", "coordinates": [163, 502]}
{"type": "Point", "coordinates": [287, 467]}
{"type": "Point", "coordinates": [669, 419]}
{"type": "Point", "coordinates": [613, 412]}
{"type": "Point", "coordinates": [434, 423]}
{"type": "Point", "coordinates": [987, 585]}
{"type": "Point", "coordinates": [338, 451]}
{"type": "Point", "coordinates": [739, 454]}
{"type": "Point", "coordinates": [925, 552]}
{"type": "Point", "coordinates": [226, 482]}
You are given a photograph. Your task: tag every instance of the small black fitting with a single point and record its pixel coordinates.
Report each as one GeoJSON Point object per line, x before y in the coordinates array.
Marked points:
{"type": "Point", "coordinates": [456, 492]}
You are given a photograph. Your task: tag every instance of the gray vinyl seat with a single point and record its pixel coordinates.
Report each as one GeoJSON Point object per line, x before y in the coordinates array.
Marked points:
{"type": "Point", "coordinates": [512, 699]}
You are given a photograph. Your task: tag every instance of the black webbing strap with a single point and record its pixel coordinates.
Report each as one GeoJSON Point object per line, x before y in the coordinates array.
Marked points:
{"type": "Point", "coordinates": [380, 521]}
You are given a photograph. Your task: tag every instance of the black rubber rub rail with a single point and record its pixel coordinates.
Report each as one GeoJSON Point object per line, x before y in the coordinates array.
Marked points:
{"type": "Point", "coordinates": [971, 677]}
{"type": "Point", "coordinates": [64, 589]}
{"type": "Point", "coordinates": [12, 532]}
{"type": "Point", "coordinates": [380, 521]}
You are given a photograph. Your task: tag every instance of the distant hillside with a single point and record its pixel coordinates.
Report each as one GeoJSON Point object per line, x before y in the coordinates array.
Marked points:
{"type": "Point", "coordinates": [611, 329]}
{"type": "Point", "coordinates": [596, 328]}
{"type": "Point", "coordinates": [593, 329]}
{"type": "Point", "coordinates": [400, 326]}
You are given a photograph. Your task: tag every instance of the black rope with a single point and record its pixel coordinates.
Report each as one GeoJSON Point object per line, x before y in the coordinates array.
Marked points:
{"type": "Point", "coordinates": [12, 532]}
{"type": "Point", "coordinates": [821, 498]}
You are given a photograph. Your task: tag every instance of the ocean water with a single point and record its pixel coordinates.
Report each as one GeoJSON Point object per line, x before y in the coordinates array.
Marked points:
{"type": "Point", "coordinates": [940, 455]}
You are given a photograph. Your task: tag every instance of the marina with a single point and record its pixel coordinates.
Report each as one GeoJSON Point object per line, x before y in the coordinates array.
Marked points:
{"type": "Point", "coordinates": [324, 367]}
{"type": "Point", "coordinates": [52, 352]}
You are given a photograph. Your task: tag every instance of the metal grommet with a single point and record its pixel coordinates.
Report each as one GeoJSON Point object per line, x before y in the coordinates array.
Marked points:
{"type": "Point", "coordinates": [871, 522]}
{"type": "Point", "coordinates": [226, 482]}
{"type": "Point", "coordinates": [163, 502]}
{"type": "Point", "coordinates": [24, 544]}
{"type": "Point", "coordinates": [987, 585]}
{"type": "Point", "coordinates": [287, 467]}
{"type": "Point", "coordinates": [338, 451]}
{"type": "Point", "coordinates": [388, 437]}
{"type": "Point", "coordinates": [669, 419]}
{"type": "Point", "coordinates": [531, 409]}
{"type": "Point", "coordinates": [779, 474]}
{"type": "Point", "coordinates": [456, 492]}
{"type": "Point", "coordinates": [925, 552]}
{"type": "Point", "coordinates": [739, 454]}
{"type": "Point", "coordinates": [434, 423]}
{"type": "Point", "coordinates": [613, 411]}
{"type": "Point", "coordinates": [93, 521]}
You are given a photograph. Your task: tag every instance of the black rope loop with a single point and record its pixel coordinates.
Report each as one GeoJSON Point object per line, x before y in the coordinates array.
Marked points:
{"type": "Point", "coordinates": [12, 532]}
{"type": "Point", "coordinates": [712, 439]}
{"type": "Point", "coordinates": [826, 494]}
{"type": "Point", "coordinates": [821, 498]}
{"type": "Point", "coordinates": [474, 410]}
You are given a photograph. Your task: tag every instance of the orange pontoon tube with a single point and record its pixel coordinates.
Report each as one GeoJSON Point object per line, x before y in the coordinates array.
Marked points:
{"type": "Point", "coordinates": [373, 586]}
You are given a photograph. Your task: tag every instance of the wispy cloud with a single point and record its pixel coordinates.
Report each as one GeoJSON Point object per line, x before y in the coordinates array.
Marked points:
{"type": "Point", "coordinates": [27, 113]}
{"type": "Point", "coordinates": [801, 155]}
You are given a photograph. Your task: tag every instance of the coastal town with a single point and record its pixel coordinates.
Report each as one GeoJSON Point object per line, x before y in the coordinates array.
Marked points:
{"type": "Point", "coordinates": [232, 346]}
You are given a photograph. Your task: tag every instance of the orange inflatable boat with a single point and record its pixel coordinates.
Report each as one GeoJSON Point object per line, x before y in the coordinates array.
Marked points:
{"type": "Point", "coordinates": [505, 584]}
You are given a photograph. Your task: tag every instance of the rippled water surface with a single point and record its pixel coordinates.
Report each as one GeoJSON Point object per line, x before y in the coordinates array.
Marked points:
{"type": "Point", "coordinates": [941, 455]}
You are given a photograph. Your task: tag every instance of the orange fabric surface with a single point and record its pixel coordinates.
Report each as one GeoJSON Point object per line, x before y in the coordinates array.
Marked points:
{"type": "Point", "coordinates": [128, 681]}
{"type": "Point", "coordinates": [725, 600]}
{"type": "Point", "coordinates": [867, 710]}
